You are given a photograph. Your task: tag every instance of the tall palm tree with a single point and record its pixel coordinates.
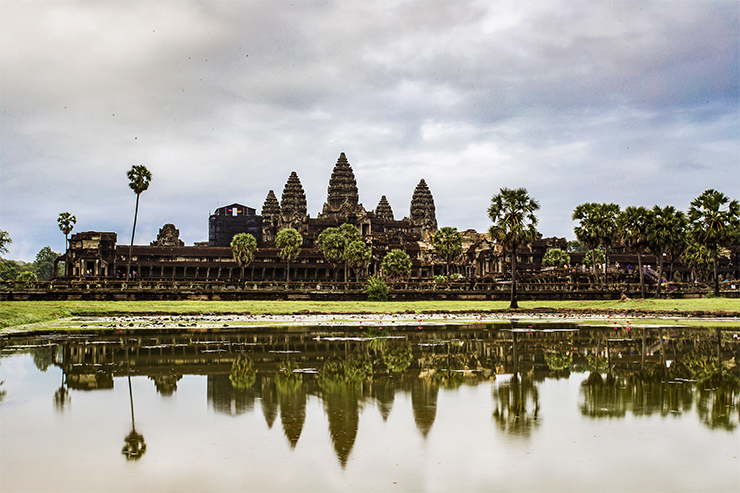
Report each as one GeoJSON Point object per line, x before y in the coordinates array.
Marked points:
{"type": "Point", "coordinates": [607, 230]}
{"type": "Point", "coordinates": [66, 223]}
{"type": "Point", "coordinates": [448, 245]}
{"type": "Point", "coordinates": [633, 225]}
{"type": "Point", "coordinates": [667, 229]}
{"type": "Point", "coordinates": [289, 243]}
{"type": "Point", "coordinates": [243, 246]}
{"type": "Point", "coordinates": [715, 223]}
{"type": "Point", "coordinates": [587, 229]}
{"type": "Point", "coordinates": [513, 214]}
{"type": "Point", "coordinates": [139, 179]}
{"type": "Point", "coordinates": [332, 244]}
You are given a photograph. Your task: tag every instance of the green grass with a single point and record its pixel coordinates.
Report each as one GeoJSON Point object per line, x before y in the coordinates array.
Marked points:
{"type": "Point", "coordinates": [18, 313]}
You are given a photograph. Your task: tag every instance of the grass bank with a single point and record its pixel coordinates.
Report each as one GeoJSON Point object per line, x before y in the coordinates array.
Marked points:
{"type": "Point", "coordinates": [17, 313]}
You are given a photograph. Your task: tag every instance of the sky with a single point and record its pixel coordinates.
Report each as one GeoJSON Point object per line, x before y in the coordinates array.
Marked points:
{"type": "Point", "coordinates": [635, 103]}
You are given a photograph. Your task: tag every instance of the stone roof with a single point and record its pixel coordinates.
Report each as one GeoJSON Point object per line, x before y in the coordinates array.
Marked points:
{"type": "Point", "coordinates": [271, 207]}
{"type": "Point", "coordinates": [293, 203]}
{"type": "Point", "coordinates": [383, 210]}
{"type": "Point", "coordinates": [423, 212]}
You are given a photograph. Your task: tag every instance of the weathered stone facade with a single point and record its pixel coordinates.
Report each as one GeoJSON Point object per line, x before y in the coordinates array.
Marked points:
{"type": "Point", "coordinates": [168, 235]}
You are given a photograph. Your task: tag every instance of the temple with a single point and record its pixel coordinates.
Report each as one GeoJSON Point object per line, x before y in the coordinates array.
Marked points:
{"type": "Point", "coordinates": [96, 254]}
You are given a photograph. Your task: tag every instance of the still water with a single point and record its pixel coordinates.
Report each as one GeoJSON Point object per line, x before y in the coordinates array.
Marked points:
{"type": "Point", "coordinates": [458, 408]}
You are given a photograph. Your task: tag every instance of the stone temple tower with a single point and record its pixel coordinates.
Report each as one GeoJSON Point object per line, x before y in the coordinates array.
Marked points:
{"type": "Point", "coordinates": [293, 205]}
{"type": "Point", "coordinates": [383, 210]}
{"type": "Point", "coordinates": [270, 217]}
{"type": "Point", "coordinates": [423, 213]}
{"type": "Point", "coordinates": [343, 197]}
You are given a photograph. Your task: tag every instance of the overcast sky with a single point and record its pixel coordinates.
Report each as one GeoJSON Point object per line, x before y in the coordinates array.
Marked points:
{"type": "Point", "coordinates": [578, 101]}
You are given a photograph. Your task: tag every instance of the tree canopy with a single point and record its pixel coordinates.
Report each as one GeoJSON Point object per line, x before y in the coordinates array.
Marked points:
{"type": "Point", "coordinates": [514, 223]}
{"type": "Point", "coordinates": [288, 242]}
{"type": "Point", "coordinates": [555, 257]}
{"type": "Point", "coordinates": [448, 245]}
{"type": "Point", "coordinates": [714, 223]}
{"type": "Point", "coordinates": [396, 263]}
{"type": "Point", "coordinates": [243, 247]}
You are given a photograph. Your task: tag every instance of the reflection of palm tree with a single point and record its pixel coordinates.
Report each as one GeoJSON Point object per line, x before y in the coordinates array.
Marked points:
{"type": "Point", "coordinates": [517, 405]}
{"type": "Point", "coordinates": [135, 447]}
{"type": "Point", "coordinates": [61, 396]}
{"type": "Point", "coordinates": [720, 407]}
{"type": "Point", "coordinates": [603, 398]}
{"type": "Point", "coordinates": [378, 339]}
{"type": "Point", "coordinates": [398, 359]}
{"type": "Point", "coordinates": [243, 374]}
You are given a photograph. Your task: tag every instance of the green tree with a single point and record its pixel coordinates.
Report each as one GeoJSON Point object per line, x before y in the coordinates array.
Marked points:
{"type": "Point", "coordinates": [139, 179]}
{"type": "Point", "coordinates": [667, 232]}
{"type": "Point", "coordinates": [575, 246]}
{"type": "Point", "coordinates": [357, 255]}
{"type": "Point", "coordinates": [448, 245]}
{"type": "Point", "coordinates": [513, 214]}
{"type": "Point", "coordinates": [633, 225]}
{"type": "Point", "coordinates": [396, 264]}
{"type": "Point", "coordinates": [376, 289]}
{"type": "Point", "coordinates": [351, 234]}
{"type": "Point", "coordinates": [44, 263]}
{"type": "Point", "coordinates": [66, 223]}
{"type": "Point", "coordinates": [598, 254]}
{"type": "Point", "coordinates": [289, 243]}
{"type": "Point", "coordinates": [597, 226]}
{"type": "Point", "coordinates": [5, 240]}
{"type": "Point", "coordinates": [243, 246]}
{"type": "Point", "coordinates": [586, 231]}
{"type": "Point", "coordinates": [27, 278]}
{"type": "Point", "coordinates": [698, 258]}
{"type": "Point", "coordinates": [555, 257]}
{"type": "Point", "coordinates": [332, 245]}
{"type": "Point", "coordinates": [715, 223]}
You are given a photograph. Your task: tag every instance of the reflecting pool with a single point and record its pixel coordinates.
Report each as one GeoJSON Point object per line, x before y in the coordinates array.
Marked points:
{"type": "Point", "coordinates": [530, 407]}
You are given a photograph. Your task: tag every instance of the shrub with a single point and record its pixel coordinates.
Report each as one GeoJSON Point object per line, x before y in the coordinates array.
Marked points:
{"type": "Point", "coordinates": [455, 276]}
{"type": "Point", "coordinates": [440, 279]}
{"type": "Point", "coordinates": [376, 289]}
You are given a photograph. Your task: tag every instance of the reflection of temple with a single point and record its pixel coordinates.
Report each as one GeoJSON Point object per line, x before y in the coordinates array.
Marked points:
{"type": "Point", "coordinates": [644, 375]}
{"type": "Point", "coordinates": [96, 255]}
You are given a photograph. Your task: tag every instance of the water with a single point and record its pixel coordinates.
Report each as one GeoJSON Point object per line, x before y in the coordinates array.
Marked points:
{"type": "Point", "coordinates": [344, 409]}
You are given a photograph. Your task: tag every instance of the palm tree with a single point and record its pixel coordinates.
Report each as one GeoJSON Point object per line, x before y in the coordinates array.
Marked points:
{"type": "Point", "coordinates": [607, 230]}
{"type": "Point", "coordinates": [667, 229]}
{"type": "Point", "coordinates": [357, 255]}
{"type": "Point", "coordinates": [513, 214]}
{"type": "Point", "coordinates": [289, 243]}
{"type": "Point", "coordinates": [243, 246]}
{"type": "Point", "coordinates": [715, 223]}
{"type": "Point", "coordinates": [66, 224]}
{"type": "Point", "coordinates": [587, 229]}
{"type": "Point", "coordinates": [332, 244]}
{"type": "Point", "coordinates": [139, 179]}
{"type": "Point", "coordinates": [448, 244]}
{"type": "Point", "coordinates": [633, 225]}
{"type": "Point", "coordinates": [351, 234]}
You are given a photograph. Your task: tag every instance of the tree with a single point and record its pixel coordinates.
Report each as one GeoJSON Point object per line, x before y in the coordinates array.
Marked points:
{"type": "Point", "coordinates": [698, 258]}
{"type": "Point", "coordinates": [586, 231]}
{"type": "Point", "coordinates": [243, 246]}
{"type": "Point", "coordinates": [351, 234]}
{"type": "Point", "coordinates": [396, 263]}
{"type": "Point", "coordinates": [667, 232]}
{"type": "Point", "coordinates": [139, 179]}
{"type": "Point", "coordinates": [715, 223]}
{"type": "Point", "coordinates": [607, 230]}
{"type": "Point", "coordinates": [66, 223]}
{"type": "Point", "coordinates": [576, 246]}
{"type": "Point", "coordinates": [633, 225]}
{"type": "Point", "coordinates": [357, 255]}
{"type": "Point", "coordinates": [44, 263]}
{"type": "Point", "coordinates": [513, 214]}
{"type": "Point", "coordinates": [5, 240]}
{"type": "Point", "coordinates": [332, 245]}
{"type": "Point", "coordinates": [588, 260]}
{"type": "Point", "coordinates": [289, 243]}
{"type": "Point", "coordinates": [448, 244]}
{"type": "Point", "coordinates": [555, 257]}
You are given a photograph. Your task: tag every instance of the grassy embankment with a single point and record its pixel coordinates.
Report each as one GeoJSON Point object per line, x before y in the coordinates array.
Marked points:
{"type": "Point", "coordinates": [23, 313]}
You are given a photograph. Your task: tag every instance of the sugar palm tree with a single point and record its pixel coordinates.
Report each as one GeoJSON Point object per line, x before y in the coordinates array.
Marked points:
{"type": "Point", "coordinates": [289, 243]}
{"type": "Point", "coordinates": [66, 224]}
{"type": "Point", "coordinates": [633, 225]}
{"type": "Point", "coordinates": [243, 246]}
{"type": "Point", "coordinates": [715, 223]}
{"type": "Point", "coordinates": [139, 179]}
{"type": "Point", "coordinates": [332, 244]}
{"type": "Point", "coordinates": [587, 229]}
{"type": "Point", "coordinates": [513, 214]}
{"type": "Point", "coordinates": [448, 245]}
{"type": "Point", "coordinates": [667, 229]}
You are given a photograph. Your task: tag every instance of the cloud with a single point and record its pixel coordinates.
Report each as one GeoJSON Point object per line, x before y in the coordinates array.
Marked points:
{"type": "Point", "coordinates": [577, 101]}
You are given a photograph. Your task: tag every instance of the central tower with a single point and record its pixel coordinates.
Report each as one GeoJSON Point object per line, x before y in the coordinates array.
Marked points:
{"type": "Point", "coordinates": [343, 197]}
